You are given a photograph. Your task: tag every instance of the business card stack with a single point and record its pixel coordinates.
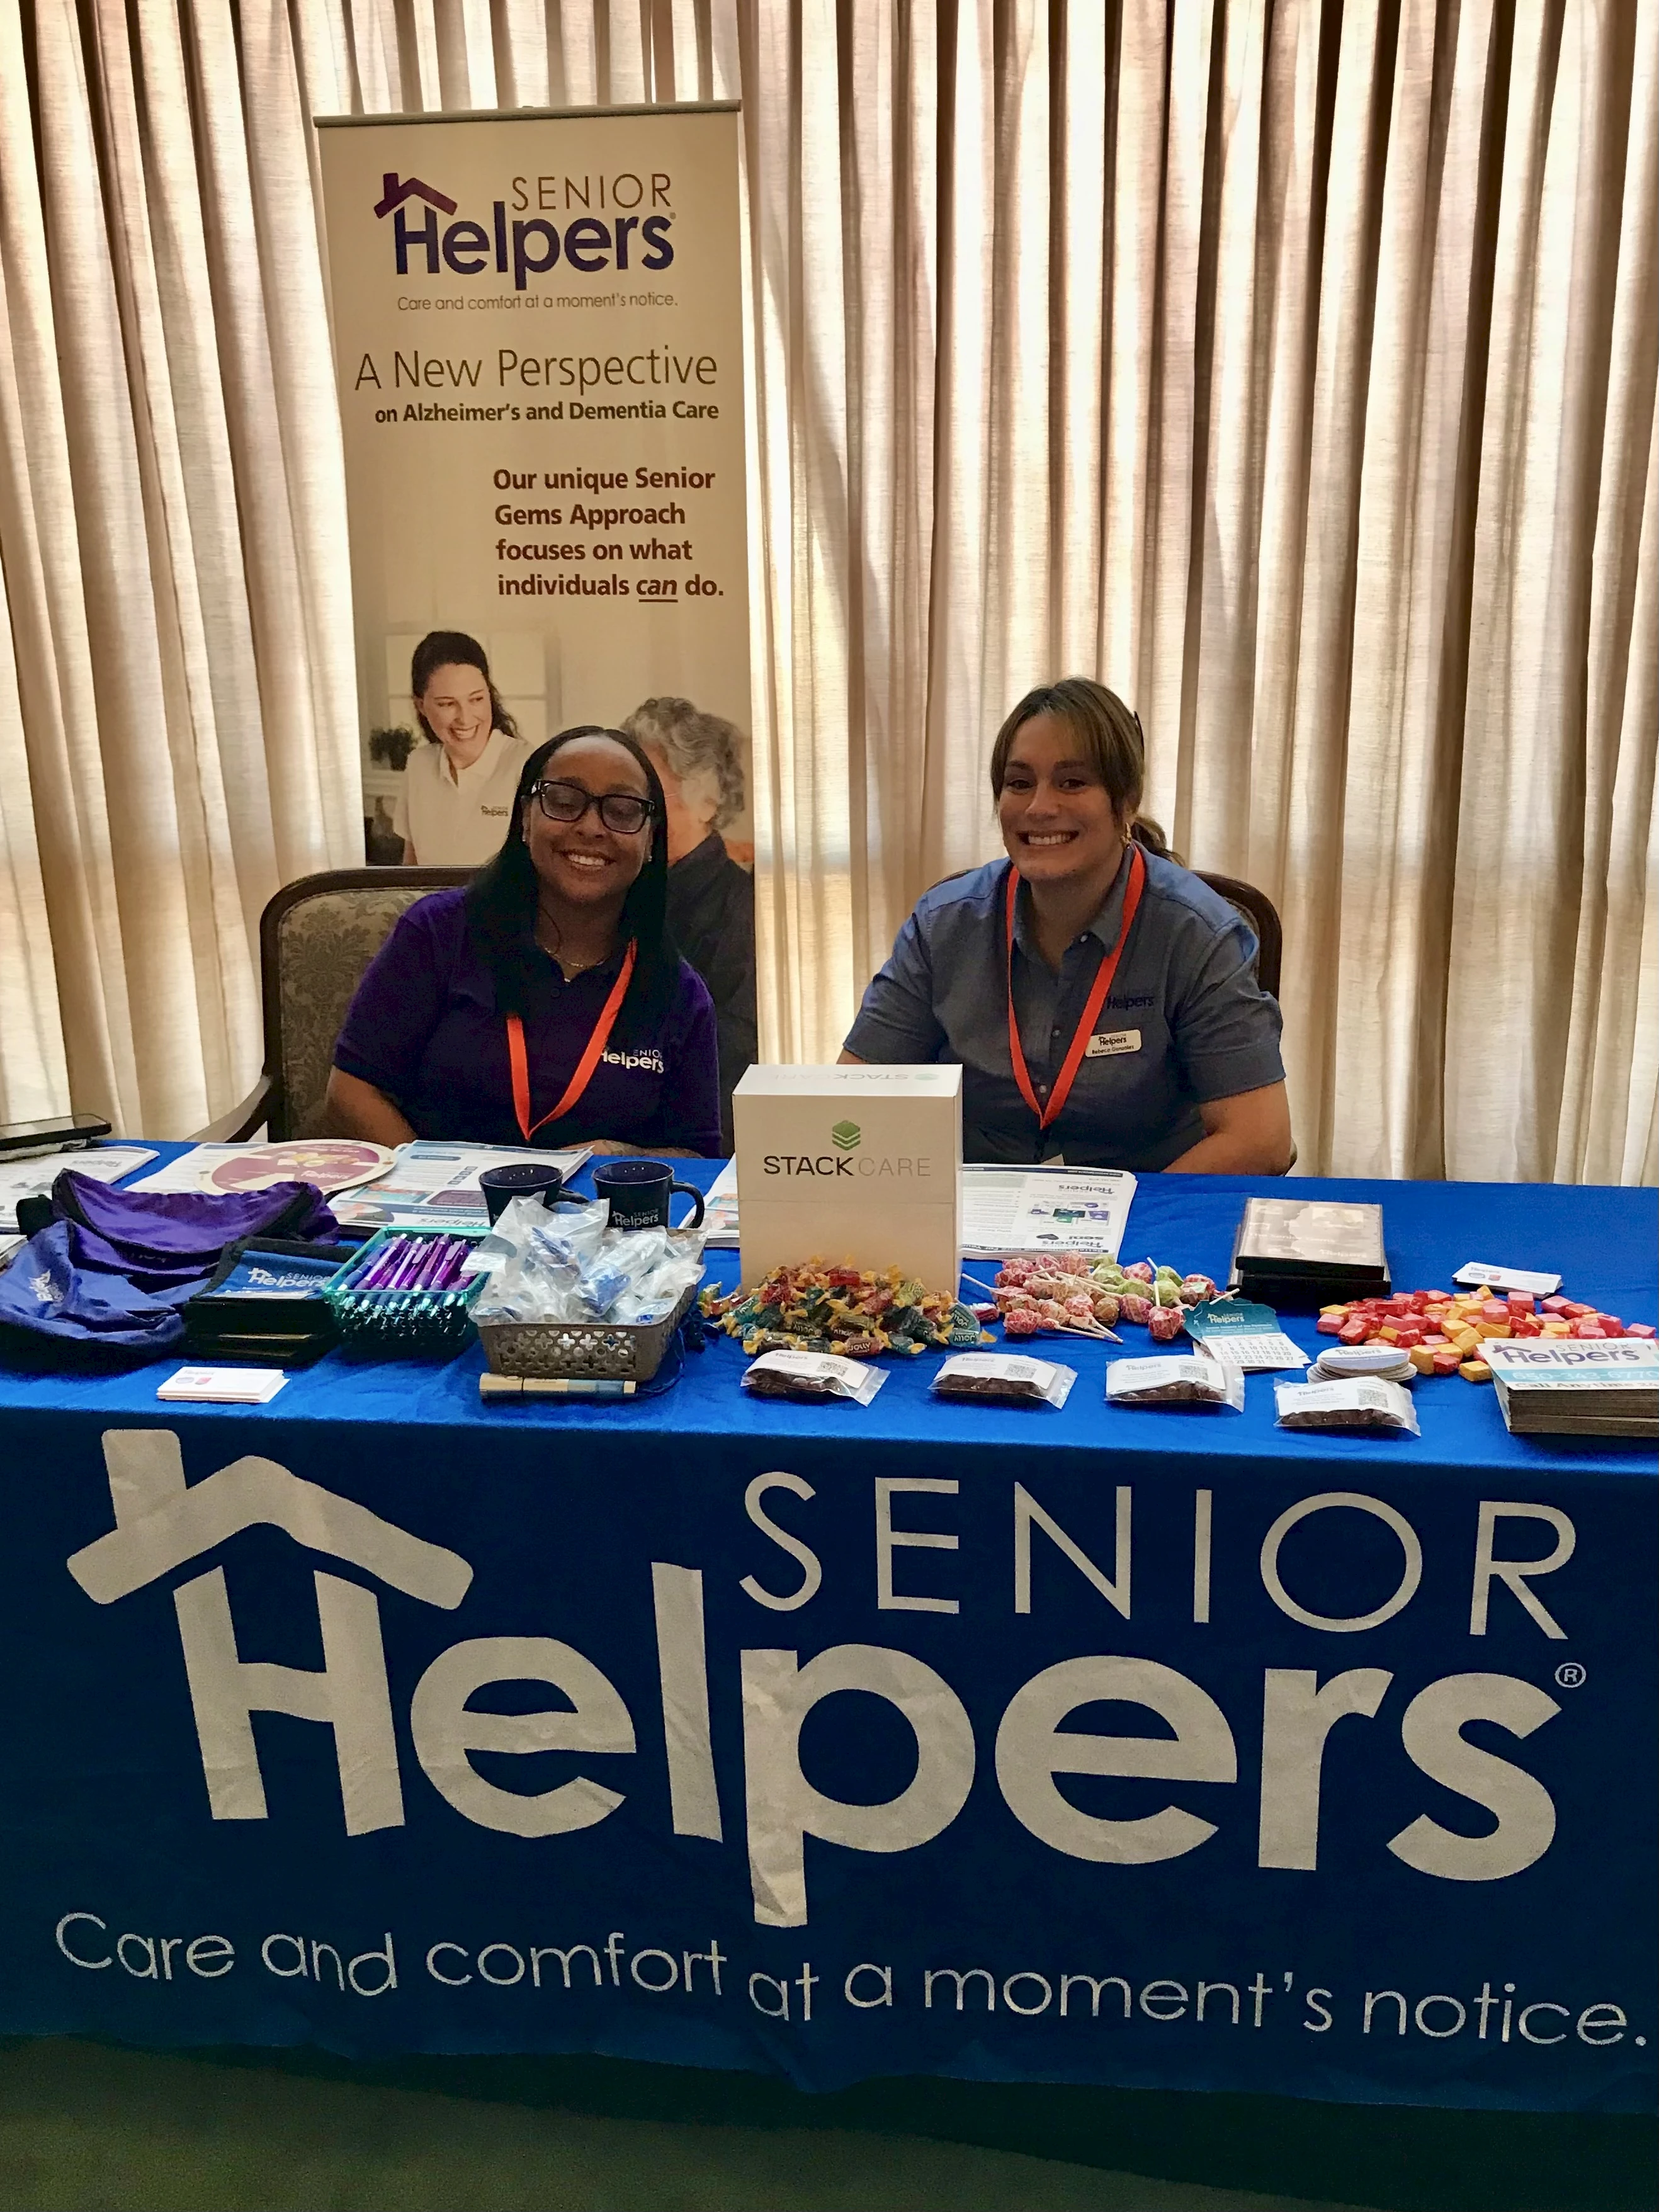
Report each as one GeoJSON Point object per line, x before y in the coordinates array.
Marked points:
{"type": "Point", "coordinates": [1572, 1386]}
{"type": "Point", "coordinates": [1301, 1254]}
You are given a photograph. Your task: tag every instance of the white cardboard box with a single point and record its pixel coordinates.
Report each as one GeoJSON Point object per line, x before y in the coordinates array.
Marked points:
{"type": "Point", "coordinates": [858, 1165]}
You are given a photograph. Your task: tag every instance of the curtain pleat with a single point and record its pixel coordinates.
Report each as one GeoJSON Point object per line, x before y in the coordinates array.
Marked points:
{"type": "Point", "coordinates": [1290, 366]}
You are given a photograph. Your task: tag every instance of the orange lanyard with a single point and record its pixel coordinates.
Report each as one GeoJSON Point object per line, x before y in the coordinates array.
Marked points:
{"type": "Point", "coordinates": [585, 1067]}
{"type": "Point", "coordinates": [1102, 984]}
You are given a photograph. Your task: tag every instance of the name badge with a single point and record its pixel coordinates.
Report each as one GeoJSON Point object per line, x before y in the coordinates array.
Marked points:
{"type": "Point", "coordinates": [1111, 1042]}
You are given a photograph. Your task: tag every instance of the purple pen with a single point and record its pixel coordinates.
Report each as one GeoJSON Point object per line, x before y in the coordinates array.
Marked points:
{"type": "Point", "coordinates": [409, 1269]}
{"type": "Point", "coordinates": [388, 1266]}
{"type": "Point", "coordinates": [421, 1274]}
{"type": "Point", "coordinates": [380, 1268]}
{"type": "Point", "coordinates": [436, 1264]}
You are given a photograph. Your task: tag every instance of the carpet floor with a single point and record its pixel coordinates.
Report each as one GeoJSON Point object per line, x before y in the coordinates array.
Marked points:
{"type": "Point", "coordinates": [88, 2128]}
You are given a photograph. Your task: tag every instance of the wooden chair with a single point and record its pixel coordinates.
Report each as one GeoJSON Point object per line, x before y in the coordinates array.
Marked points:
{"type": "Point", "coordinates": [316, 939]}
{"type": "Point", "coordinates": [1259, 910]}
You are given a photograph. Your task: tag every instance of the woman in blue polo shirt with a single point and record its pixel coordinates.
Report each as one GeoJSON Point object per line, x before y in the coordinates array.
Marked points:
{"type": "Point", "coordinates": [545, 1001]}
{"type": "Point", "coordinates": [1101, 1000]}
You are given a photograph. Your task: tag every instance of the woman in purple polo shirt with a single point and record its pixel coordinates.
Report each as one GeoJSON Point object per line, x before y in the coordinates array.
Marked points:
{"type": "Point", "coordinates": [545, 1002]}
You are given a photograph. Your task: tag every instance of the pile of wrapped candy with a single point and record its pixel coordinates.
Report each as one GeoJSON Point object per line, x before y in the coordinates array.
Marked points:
{"type": "Point", "coordinates": [816, 1307]}
{"type": "Point", "coordinates": [1061, 1292]}
{"type": "Point", "coordinates": [1441, 1332]}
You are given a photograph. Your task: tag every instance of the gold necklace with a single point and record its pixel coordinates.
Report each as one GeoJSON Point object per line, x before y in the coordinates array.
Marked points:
{"type": "Point", "coordinates": [569, 973]}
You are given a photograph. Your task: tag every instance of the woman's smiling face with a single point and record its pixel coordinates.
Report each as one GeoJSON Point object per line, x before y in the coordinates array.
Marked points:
{"type": "Point", "coordinates": [457, 705]}
{"type": "Point", "coordinates": [1056, 816]}
{"type": "Point", "coordinates": [583, 862]}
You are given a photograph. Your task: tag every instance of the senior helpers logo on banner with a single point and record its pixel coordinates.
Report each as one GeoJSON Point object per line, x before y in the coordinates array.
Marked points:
{"type": "Point", "coordinates": [800, 1893]}
{"type": "Point", "coordinates": [537, 334]}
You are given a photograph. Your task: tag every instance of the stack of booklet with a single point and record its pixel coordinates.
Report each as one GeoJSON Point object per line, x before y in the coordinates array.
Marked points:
{"type": "Point", "coordinates": [1577, 1386]}
{"type": "Point", "coordinates": [1304, 1253]}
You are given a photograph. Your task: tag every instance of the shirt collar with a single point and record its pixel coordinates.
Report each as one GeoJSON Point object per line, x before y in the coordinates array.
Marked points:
{"type": "Point", "coordinates": [485, 766]}
{"type": "Point", "coordinates": [1106, 926]}
{"type": "Point", "coordinates": [703, 860]}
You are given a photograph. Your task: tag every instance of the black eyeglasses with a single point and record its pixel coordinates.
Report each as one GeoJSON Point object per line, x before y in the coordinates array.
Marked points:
{"type": "Point", "coordinates": [620, 810]}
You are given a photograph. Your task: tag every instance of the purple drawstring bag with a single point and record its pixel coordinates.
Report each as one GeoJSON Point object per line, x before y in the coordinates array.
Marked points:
{"type": "Point", "coordinates": [102, 1283]}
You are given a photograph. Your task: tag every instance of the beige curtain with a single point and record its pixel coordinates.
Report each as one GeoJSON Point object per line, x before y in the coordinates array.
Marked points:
{"type": "Point", "coordinates": [176, 688]}
{"type": "Point", "coordinates": [1292, 367]}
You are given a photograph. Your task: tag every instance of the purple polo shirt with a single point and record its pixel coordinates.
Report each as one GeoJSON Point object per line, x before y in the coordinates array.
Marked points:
{"type": "Point", "coordinates": [423, 1028]}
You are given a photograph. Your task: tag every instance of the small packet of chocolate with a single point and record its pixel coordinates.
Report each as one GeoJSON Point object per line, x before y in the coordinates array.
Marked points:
{"type": "Point", "coordinates": [812, 1377]}
{"type": "Point", "coordinates": [1004, 1379]}
{"type": "Point", "coordinates": [1172, 1382]}
{"type": "Point", "coordinates": [1368, 1402]}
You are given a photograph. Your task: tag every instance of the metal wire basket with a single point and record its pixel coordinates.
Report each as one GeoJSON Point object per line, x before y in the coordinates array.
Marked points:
{"type": "Point", "coordinates": [629, 1351]}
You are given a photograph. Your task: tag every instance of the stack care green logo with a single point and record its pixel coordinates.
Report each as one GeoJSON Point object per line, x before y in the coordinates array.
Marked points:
{"type": "Point", "coordinates": [845, 1140]}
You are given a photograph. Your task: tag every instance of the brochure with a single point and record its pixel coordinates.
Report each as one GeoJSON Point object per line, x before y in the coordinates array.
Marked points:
{"type": "Point", "coordinates": [34, 1178]}
{"type": "Point", "coordinates": [1016, 1210]}
{"type": "Point", "coordinates": [434, 1185]}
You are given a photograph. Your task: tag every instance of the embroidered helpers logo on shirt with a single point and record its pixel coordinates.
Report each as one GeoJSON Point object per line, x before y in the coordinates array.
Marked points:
{"type": "Point", "coordinates": [647, 1058]}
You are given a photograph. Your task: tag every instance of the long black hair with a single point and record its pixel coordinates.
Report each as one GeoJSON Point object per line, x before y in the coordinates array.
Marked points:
{"type": "Point", "coordinates": [500, 904]}
{"type": "Point", "coordinates": [453, 648]}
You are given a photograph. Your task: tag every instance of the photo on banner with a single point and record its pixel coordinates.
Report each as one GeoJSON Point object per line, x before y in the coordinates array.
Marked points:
{"type": "Point", "coordinates": [537, 328]}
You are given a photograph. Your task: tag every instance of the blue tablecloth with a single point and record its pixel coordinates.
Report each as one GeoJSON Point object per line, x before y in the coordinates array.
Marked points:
{"type": "Point", "coordinates": [1106, 1779]}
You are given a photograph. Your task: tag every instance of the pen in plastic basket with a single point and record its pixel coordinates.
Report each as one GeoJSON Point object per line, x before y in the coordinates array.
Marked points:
{"type": "Point", "coordinates": [429, 1267]}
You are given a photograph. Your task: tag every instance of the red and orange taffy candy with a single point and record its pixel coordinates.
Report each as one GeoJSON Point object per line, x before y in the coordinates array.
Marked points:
{"type": "Point", "coordinates": [1441, 1332]}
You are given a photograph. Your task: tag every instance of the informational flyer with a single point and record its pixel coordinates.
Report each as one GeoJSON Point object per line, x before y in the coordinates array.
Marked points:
{"type": "Point", "coordinates": [434, 1185]}
{"type": "Point", "coordinates": [34, 1178]}
{"type": "Point", "coordinates": [1008, 1209]}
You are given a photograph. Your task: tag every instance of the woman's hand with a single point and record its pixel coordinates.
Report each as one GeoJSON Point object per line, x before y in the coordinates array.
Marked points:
{"type": "Point", "coordinates": [352, 1108]}
{"type": "Point", "coordinates": [1247, 1134]}
{"type": "Point", "coordinates": [608, 1148]}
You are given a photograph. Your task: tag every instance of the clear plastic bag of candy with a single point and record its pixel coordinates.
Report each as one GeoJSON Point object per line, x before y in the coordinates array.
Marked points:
{"type": "Point", "coordinates": [1368, 1402]}
{"type": "Point", "coordinates": [1004, 1378]}
{"type": "Point", "coordinates": [812, 1375]}
{"type": "Point", "coordinates": [1176, 1381]}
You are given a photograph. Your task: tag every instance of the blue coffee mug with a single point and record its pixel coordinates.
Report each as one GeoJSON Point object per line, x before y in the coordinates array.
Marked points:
{"type": "Point", "coordinates": [638, 1192]}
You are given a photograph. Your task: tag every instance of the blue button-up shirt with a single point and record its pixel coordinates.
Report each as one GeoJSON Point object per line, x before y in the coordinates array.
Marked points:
{"type": "Point", "coordinates": [1185, 1021]}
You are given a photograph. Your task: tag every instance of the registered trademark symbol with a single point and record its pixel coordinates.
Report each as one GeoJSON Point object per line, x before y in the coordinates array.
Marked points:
{"type": "Point", "coordinates": [1570, 1675]}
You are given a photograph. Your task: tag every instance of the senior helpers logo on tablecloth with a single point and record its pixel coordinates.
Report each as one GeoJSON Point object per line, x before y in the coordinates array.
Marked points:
{"type": "Point", "coordinates": [645, 1721]}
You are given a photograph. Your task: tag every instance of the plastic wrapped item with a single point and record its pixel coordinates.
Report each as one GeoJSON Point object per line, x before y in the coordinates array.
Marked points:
{"type": "Point", "coordinates": [857, 1313]}
{"type": "Point", "coordinates": [1176, 1381]}
{"type": "Point", "coordinates": [1369, 1402]}
{"type": "Point", "coordinates": [1004, 1379]}
{"type": "Point", "coordinates": [812, 1376]}
{"type": "Point", "coordinates": [678, 1269]}
{"type": "Point", "coordinates": [572, 1267]}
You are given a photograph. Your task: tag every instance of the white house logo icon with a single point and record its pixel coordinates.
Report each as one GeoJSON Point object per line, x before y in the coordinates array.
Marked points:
{"type": "Point", "coordinates": [161, 1522]}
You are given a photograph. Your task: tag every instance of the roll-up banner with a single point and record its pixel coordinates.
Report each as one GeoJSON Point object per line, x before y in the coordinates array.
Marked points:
{"type": "Point", "coordinates": [537, 334]}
